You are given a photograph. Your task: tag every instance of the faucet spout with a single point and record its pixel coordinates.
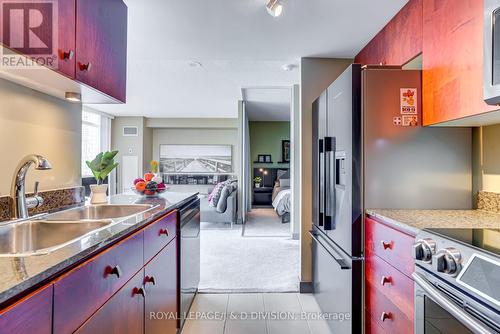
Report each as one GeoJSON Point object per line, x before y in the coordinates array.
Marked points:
{"type": "Point", "coordinates": [19, 209]}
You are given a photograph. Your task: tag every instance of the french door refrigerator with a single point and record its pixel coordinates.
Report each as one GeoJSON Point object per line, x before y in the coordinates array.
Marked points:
{"type": "Point", "coordinates": [370, 151]}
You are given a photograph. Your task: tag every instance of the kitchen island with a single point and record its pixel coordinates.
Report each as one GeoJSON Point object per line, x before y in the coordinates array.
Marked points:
{"type": "Point", "coordinates": [79, 283]}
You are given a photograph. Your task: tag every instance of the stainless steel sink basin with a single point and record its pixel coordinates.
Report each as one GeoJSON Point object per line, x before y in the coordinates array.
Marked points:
{"type": "Point", "coordinates": [96, 212]}
{"type": "Point", "coordinates": [42, 237]}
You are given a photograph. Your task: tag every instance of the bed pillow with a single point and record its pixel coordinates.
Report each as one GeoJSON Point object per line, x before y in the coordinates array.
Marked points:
{"type": "Point", "coordinates": [285, 183]}
{"type": "Point", "coordinates": [282, 174]}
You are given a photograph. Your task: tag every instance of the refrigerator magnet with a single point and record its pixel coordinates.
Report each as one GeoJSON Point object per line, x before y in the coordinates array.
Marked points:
{"type": "Point", "coordinates": [408, 101]}
{"type": "Point", "coordinates": [410, 120]}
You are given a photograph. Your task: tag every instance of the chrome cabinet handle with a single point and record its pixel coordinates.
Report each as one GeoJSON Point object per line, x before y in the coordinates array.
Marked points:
{"type": "Point", "coordinates": [385, 316]}
{"type": "Point", "coordinates": [68, 55]}
{"type": "Point", "coordinates": [85, 67]}
{"type": "Point", "coordinates": [386, 280]}
{"type": "Point", "coordinates": [386, 245]}
{"type": "Point", "coordinates": [149, 279]}
{"type": "Point", "coordinates": [449, 305]}
{"type": "Point", "coordinates": [115, 271]}
{"type": "Point", "coordinates": [163, 231]}
{"type": "Point", "coordinates": [139, 291]}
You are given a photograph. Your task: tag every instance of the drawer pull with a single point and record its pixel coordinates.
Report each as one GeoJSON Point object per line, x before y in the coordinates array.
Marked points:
{"type": "Point", "coordinates": [139, 291]}
{"type": "Point", "coordinates": [149, 279]}
{"type": "Point", "coordinates": [115, 271]}
{"type": "Point", "coordinates": [85, 67]}
{"type": "Point", "coordinates": [386, 245]}
{"type": "Point", "coordinates": [385, 315]}
{"type": "Point", "coordinates": [164, 231]}
{"type": "Point", "coordinates": [68, 55]}
{"type": "Point", "coordinates": [386, 280]}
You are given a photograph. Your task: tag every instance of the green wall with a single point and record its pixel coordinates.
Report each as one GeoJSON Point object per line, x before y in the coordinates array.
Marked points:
{"type": "Point", "coordinates": [265, 138]}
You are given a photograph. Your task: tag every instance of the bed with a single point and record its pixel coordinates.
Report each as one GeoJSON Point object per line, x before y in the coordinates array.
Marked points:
{"type": "Point", "coordinates": [281, 197]}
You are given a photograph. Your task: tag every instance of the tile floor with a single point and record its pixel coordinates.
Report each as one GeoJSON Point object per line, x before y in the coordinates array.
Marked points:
{"type": "Point", "coordinates": [208, 310]}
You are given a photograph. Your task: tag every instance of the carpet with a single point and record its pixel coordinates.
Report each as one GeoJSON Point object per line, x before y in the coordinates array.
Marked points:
{"type": "Point", "coordinates": [232, 263]}
{"type": "Point", "coordinates": [265, 223]}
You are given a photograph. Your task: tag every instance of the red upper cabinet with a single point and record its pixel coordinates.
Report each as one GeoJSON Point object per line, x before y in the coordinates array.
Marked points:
{"type": "Point", "coordinates": [452, 60]}
{"type": "Point", "coordinates": [101, 46]}
{"type": "Point", "coordinates": [66, 37]}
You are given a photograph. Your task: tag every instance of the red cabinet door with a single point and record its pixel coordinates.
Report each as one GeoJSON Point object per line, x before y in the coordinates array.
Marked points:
{"type": "Point", "coordinates": [66, 43]}
{"type": "Point", "coordinates": [32, 314]}
{"type": "Point", "coordinates": [123, 313]}
{"type": "Point", "coordinates": [160, 281]}
{"type": "Point", "coordinates": [101, 46]}
{"type": "Point", "coordinates": [158, 234]}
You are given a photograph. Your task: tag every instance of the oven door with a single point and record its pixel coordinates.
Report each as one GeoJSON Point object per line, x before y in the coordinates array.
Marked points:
{"type": "Point", "coordinates": [436, 312]}
{"type": "Point", "coordinates": [491, 81]}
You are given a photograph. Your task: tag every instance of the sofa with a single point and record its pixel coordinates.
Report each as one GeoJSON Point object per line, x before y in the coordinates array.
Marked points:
{"type": "Point", "coordinates": [211, 215]}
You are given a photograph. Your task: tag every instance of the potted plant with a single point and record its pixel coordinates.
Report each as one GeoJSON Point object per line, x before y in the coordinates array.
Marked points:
{"type": "Point", "coordinates": [101, 166]}
{"type": "Point", "coordinates": [257, 180]}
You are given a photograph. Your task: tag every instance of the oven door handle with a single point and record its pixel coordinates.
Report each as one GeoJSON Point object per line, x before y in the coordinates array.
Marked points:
{"type": "Point", "coordinates": [462, 316]}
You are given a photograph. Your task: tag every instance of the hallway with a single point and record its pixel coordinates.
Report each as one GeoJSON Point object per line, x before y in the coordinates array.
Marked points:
{"type": "Point", "coordinates": [265, 313]}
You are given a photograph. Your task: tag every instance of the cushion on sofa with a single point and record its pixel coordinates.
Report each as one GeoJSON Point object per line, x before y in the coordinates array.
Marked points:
{"type": "Point", "coordinates": [213, 198]}
{"type": "Point", "coordinates": [222, 204]}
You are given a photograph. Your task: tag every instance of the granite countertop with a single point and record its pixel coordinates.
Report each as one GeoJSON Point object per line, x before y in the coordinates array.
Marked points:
{"type": "Point", "coordinates": [20, 274]}
{"type": "Point", "coordinates": [413, 221]}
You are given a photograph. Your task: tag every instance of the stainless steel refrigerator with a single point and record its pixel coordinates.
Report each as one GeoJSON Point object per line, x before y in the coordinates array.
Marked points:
{"type": "Point", "coordinates": [370, 151]}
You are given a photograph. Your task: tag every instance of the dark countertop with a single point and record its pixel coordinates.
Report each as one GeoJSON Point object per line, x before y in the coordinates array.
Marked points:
{"type": "Point", "coordinates": [21, 274]}
{"type": "Point", "coordinates": [413, 221]}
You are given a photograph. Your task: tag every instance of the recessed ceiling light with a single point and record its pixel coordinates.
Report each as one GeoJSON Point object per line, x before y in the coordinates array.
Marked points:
{"type": "Point", "coordinates": [288, 67]}
{"type": "Point", "coordinates": [195, 64]}
{"type": "Point", "coordinates": [274, 8]}
{"type": "Point", "coordinates": [73, 97]}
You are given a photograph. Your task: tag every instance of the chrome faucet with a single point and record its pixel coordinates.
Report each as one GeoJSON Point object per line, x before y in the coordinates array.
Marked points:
{"type": "Point", "coordinates": [19, 203]}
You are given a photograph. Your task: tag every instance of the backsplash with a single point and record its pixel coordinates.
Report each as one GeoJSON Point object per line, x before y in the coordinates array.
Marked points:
{"type": "Point", "coordinates": [53, 200]}
{"type": "Point", "coordinates": [488, 201]}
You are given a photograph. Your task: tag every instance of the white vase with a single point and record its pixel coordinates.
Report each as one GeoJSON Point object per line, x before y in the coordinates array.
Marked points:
{"type": "Point", "coordinates": [98, 194]}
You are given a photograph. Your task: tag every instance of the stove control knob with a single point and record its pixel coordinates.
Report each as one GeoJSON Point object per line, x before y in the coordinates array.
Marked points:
{"type": "Point", "coordinates": [424, 249]}
{"type": "Point", "coordinates": [447, 261]}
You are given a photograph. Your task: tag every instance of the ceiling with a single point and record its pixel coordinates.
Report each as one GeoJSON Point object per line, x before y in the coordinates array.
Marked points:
{"type": "Point", "coordinates": [267, 103]}
{"type": "Point", "coordinates": [238, 45]}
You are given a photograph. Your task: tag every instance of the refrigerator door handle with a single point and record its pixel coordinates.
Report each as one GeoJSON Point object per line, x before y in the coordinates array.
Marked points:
{"type": "Point", "coordinates": [329, 191]}
{"type": "Point", "coordinates": [344, 265]}
{"type": "Point", "coordinates": [321, 180]}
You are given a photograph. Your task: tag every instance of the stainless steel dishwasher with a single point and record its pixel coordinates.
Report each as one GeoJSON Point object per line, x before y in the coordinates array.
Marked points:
{"type": "Point", "coordinates": [189, 264]}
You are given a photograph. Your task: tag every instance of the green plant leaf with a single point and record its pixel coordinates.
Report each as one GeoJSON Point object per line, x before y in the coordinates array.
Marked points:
{"type": "Point", "coordinates": [102, 165]}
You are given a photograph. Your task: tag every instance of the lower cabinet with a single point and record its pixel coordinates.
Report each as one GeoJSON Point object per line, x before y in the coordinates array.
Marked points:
{"type": "Point", "coordinates": [123, 313]}
{"type": "Point", "coordinates": [160, 283]}
{"type": "Point", "coordinates": [388, 287]}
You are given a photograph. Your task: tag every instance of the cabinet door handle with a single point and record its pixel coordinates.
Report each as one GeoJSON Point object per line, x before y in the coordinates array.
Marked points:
{"type": "Point", "coordinates": [139, 291]}
{"type": "Point", "coordinates": [386, 245]}
{"type": "Point", "coordinates": [386, 280]}
{"type": "Point", "coordinates": [85, 67]}
{"type": "Point", "coordinates": [149, 279]}
{"type": "Point", "coordinates": [385, 315]}
{"type": "Point", "coordinates": [68, 55]}
{"type": "Point", "coordinates": [115, 271]}
{"type": "Point", "coordinates": [163, 231]}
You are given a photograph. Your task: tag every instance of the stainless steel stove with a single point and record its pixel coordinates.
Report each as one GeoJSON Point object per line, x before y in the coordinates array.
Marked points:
{"type": "Point", "coordinates": [457, 281]}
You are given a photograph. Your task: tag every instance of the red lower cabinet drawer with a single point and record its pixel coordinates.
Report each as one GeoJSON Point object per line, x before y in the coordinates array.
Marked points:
{"type": "Point", "coordinates": [387, 314]}
{"type": "Point", "coordinates": [32, 314]}
{"type": "Point", "coordinates": [80, 292]}
{"type": "Point", "coordinates": [388, 281]}
{"type": "Point", "coordinates": [123, 313]}
{"type": "Point", "coordinates": [393, 246]}
{"type": "Point", "coordinates": [372, 325]}
{"type": "Point", "coordinates": [158, 234]}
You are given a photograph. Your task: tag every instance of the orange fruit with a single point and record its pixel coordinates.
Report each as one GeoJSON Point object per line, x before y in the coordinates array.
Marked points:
{"type": "Point", "coordinates": [148, 177]}
{"type": "Point", "coordinates": [140, 186]}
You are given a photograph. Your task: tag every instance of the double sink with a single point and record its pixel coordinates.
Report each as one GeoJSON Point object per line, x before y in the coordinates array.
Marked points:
{"type": "Point", "coordinates": [53, 231]}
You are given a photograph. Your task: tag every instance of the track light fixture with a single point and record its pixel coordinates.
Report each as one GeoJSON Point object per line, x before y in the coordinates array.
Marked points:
{"type": "Point", "coordinates": [274, 8]}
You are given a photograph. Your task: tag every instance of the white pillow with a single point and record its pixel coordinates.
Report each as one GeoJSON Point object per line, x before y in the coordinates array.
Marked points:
{"type": "Point", "coordinates": [285, 183]}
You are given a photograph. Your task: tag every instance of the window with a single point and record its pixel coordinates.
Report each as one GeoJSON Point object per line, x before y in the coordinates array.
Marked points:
{"type": "Point", "coordinates": [91, 139]}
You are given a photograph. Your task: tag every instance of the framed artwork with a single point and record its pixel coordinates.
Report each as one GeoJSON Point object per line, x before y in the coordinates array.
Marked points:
{"type": "Point", "coordinates": [196, 158]}
{"type": "Point", "coordinates": [285, 150]}
{"type": "Point", "coordinates": [268, 158]}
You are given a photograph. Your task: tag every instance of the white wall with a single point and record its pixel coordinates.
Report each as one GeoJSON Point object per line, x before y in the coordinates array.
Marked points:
{"type": "Point", "coordinates": [316, 75]}
{"type": "Point", "coordinates": [34, 123]}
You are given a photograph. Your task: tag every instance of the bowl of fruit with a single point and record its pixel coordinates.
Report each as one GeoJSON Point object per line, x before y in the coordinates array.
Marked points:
{"type": "Point", "coordinates": [149, 186]}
